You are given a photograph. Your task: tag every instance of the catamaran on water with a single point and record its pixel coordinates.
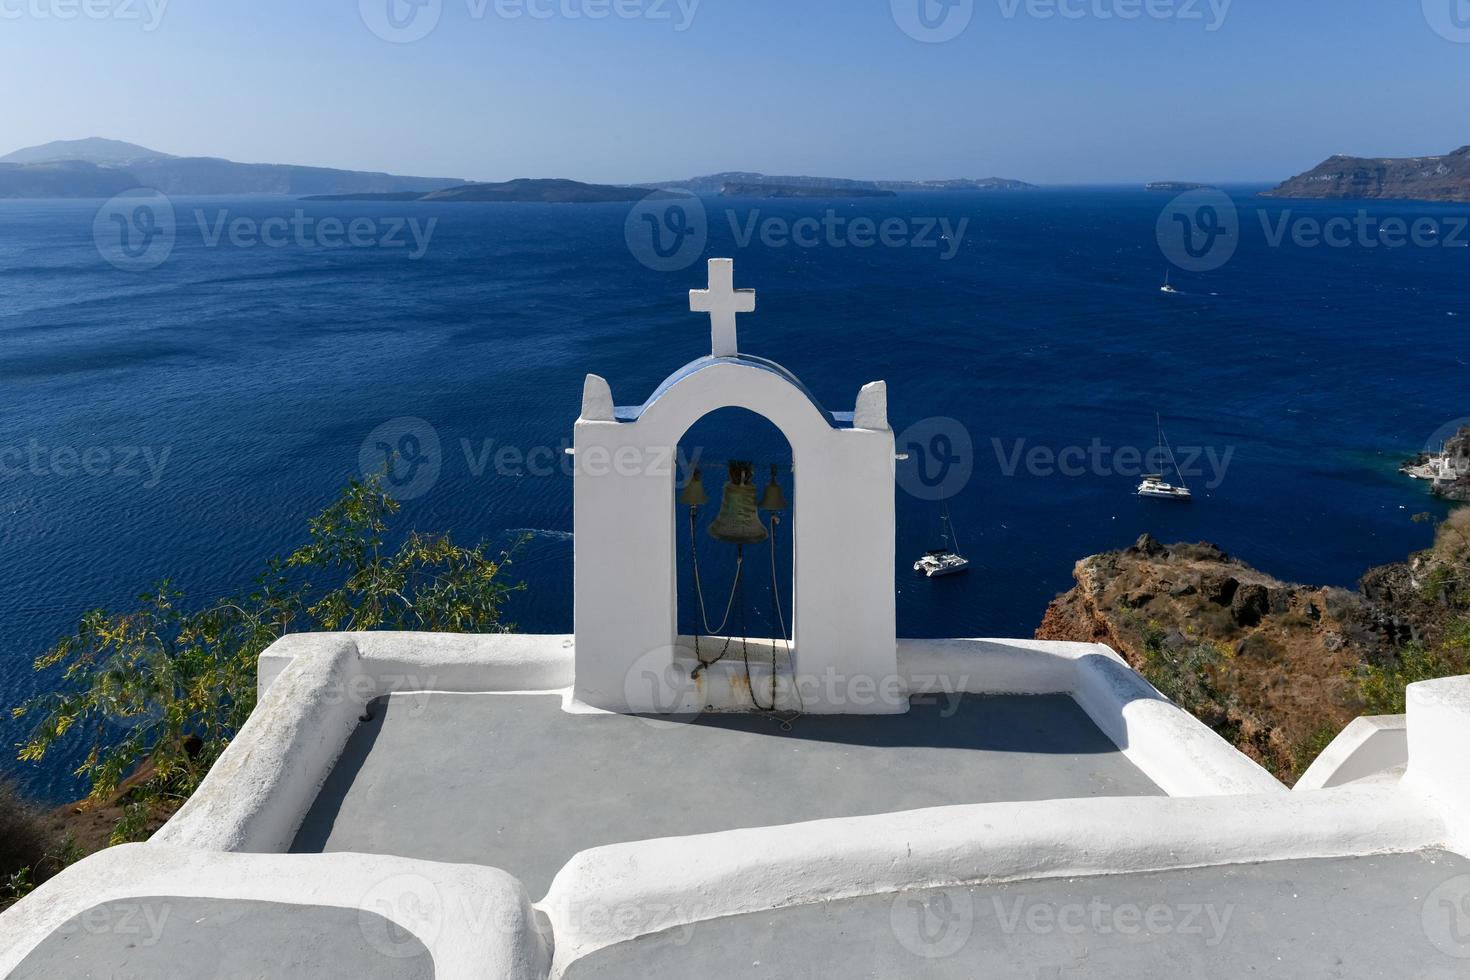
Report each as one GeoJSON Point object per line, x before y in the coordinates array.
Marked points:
{"type": "Point", "coordinates": [946, 560]}
{"type": "Point", "coordinates": [1155, 485]}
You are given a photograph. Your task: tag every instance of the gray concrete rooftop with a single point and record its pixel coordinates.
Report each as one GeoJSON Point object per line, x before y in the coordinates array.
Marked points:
{"type": "Point", "coordinates": [513, 782]}
{"type": "Point", "coordinates": [203, 939]}
{"type": "Point", "coordinates": [1396, 918]}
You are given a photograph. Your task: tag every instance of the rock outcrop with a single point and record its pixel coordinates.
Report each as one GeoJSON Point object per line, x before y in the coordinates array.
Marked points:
{"type": "Point", "coordinates": [1271, 665]}
{"type": "Point", "coordinates": [1441, 178]}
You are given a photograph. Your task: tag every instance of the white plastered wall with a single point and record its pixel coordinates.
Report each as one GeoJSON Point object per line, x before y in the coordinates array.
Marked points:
{"type": "Point", "coordinates": [843, 619]}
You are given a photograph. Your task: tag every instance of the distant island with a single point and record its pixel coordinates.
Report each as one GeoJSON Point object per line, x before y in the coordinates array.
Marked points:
{"type": "Point", "coordinates": [787, 190]}
{"type": "Point", "coordinates": [1442, 178]}
{"type": "Point", "coordinates": [523, 190]}
{"type": "Point", "coordinates": [102, 168]}
{"type": "Point", "coordinates": [96, 167]}
{"type": "Point", "coordinates": [832, 186]}
{"type": "Point", "coordinates": [1176, 186]}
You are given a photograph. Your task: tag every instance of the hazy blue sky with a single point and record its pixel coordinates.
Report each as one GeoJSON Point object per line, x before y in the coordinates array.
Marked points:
{"type": "Point", "coordinates": [783, 86]}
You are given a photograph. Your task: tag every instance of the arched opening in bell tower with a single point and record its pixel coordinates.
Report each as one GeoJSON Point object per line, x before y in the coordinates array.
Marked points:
{"type": "Point", "coordinates": [734, 504]}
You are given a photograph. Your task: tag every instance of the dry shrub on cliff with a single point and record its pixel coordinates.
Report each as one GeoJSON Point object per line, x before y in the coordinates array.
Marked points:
{"type": "Point", "coordinates": [1444, 586]}
{"type": "Point", "coordinates": [24, 844]}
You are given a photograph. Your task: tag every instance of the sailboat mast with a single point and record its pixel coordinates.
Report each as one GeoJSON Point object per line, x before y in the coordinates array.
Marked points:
{"type": "Point", "coordinates": [1159, 441]}
{"type": "Point", "coordinates": [949, 534]}
{"type": "Point", "coordinates": [1170, 449]}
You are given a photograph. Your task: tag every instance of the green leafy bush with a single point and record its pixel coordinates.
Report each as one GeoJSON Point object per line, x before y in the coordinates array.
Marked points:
{"type": "Point", "coordinates": [1186, 673]}
{"type": "Point", "coordinates": [161, 690]}
{"type": "Point", "coordinates": [1384, 686]}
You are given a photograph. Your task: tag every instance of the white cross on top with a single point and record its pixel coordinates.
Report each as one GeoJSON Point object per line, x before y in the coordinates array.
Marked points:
{"type": "Point", "coordinates": [722, 301]}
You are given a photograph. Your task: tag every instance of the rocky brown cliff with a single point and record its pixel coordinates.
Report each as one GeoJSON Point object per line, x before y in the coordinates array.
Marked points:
{"type": "Point", "coordinates": [1276, 668]}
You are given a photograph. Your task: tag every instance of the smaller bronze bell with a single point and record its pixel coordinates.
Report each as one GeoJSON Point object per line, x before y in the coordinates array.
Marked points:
{"type": "Point", "coordinates": [738, 521]}
{"type": "Point", "coordinates": [693, 494]}
{"type": "Point", "coordinates": [774, 499]}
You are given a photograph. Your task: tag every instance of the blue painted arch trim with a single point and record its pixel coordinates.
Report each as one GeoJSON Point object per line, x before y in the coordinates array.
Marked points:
{"type": "Point", "coordinates": [838, 420]}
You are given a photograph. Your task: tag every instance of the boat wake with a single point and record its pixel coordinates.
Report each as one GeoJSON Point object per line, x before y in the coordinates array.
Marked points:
{"type": "Point", "coordinates": [535, 532]}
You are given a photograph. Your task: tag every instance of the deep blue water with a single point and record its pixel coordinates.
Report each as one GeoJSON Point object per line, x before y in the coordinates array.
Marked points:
{"type": "Point", "coordinates": [261, 371]}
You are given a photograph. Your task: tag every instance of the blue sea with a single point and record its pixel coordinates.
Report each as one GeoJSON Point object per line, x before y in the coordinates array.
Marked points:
{"type": "Point", "coordinates": [185, 421]}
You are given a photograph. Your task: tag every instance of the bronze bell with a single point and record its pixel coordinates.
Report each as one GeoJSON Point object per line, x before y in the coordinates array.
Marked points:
{"type": "Point", "coordinates": [738, 522]}
{"type": "Point", "coordinates": [774, 499]}
{"type": "Point", "coordinates": [693, 494]}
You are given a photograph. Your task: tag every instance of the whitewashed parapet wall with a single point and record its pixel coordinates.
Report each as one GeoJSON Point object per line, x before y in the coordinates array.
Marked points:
{"type": "Point", "coordinates": [843, 621]}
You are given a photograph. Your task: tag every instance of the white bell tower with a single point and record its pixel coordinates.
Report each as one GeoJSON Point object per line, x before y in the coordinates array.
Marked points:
{"type": "Point", "coordinates": [844, 648]}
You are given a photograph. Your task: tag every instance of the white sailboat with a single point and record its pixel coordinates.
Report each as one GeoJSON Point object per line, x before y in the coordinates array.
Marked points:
{"type": "Point", "coordinates": [943, 561]}
{"type": "Point", "coordinates": [1167, 287]}
{"type": "Point", "coordinates": [1155, 485]}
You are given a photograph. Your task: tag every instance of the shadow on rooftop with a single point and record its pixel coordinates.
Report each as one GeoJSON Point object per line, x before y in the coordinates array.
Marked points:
{"type": "Point", "coordinates": [1051, 724]}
